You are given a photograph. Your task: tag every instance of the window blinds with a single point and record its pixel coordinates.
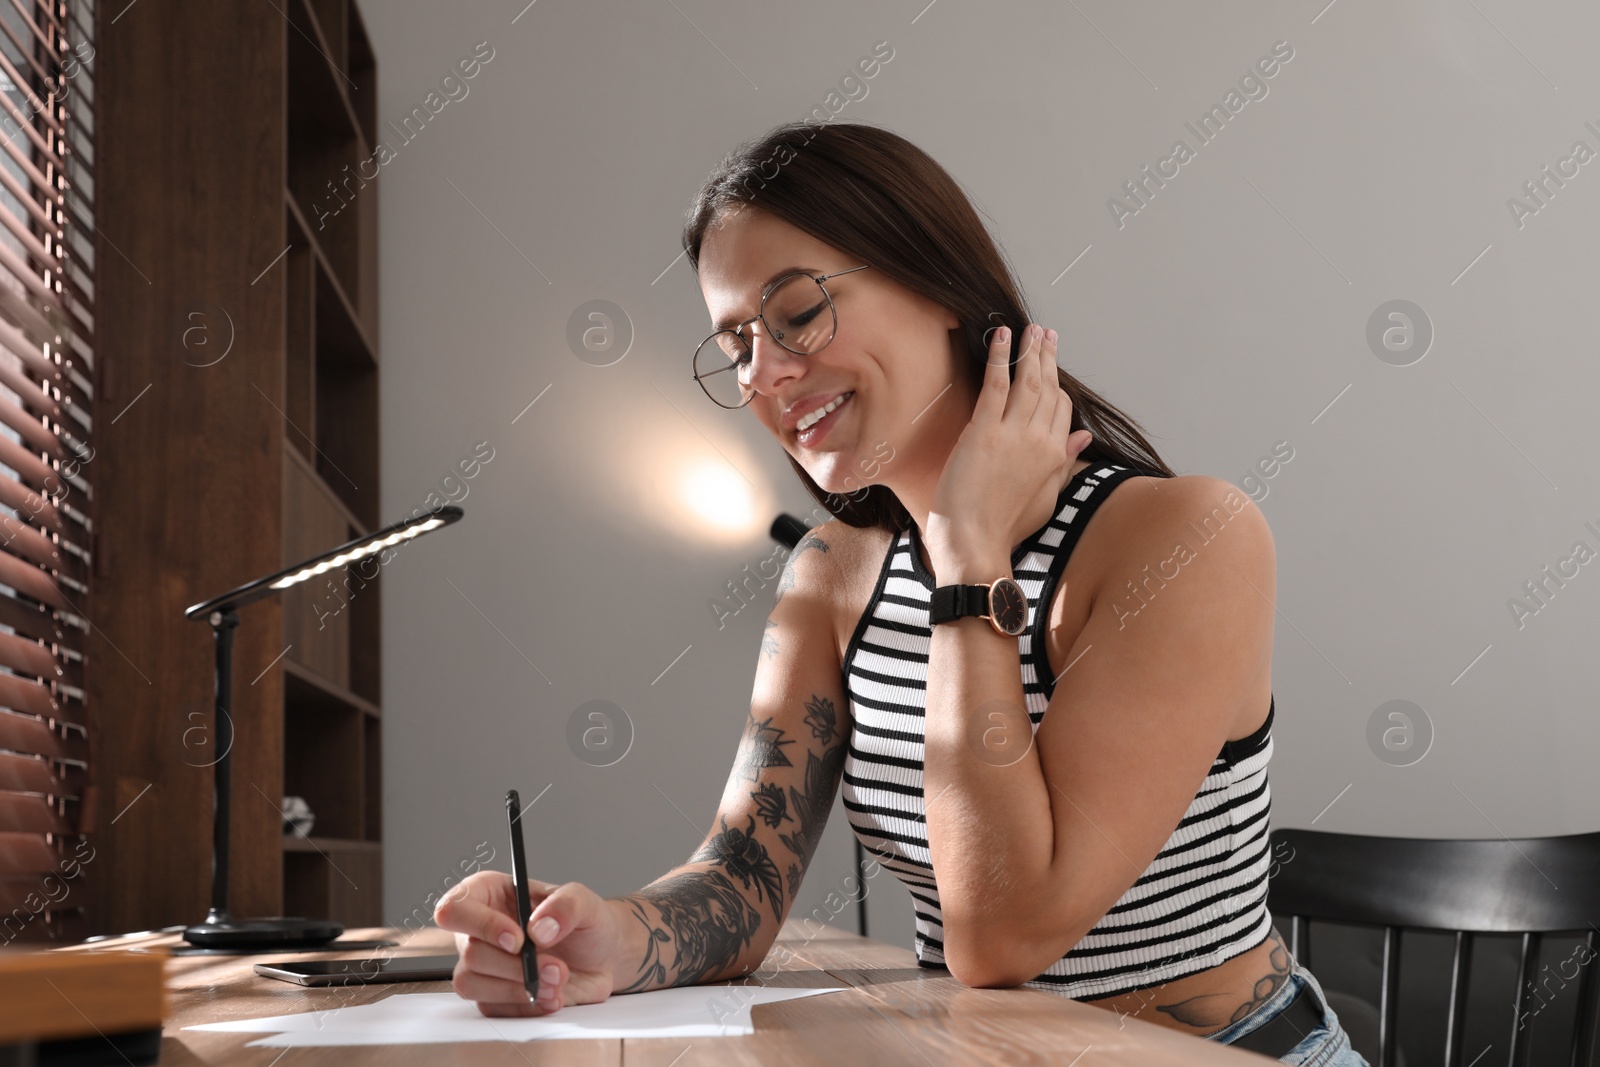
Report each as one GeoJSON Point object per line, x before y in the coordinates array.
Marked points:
{"type": "Point", "coordinates": [46, 461]}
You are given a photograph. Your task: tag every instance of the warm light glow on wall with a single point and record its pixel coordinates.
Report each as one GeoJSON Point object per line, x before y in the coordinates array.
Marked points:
{"type": "Point", "coordinates": [720, 497]}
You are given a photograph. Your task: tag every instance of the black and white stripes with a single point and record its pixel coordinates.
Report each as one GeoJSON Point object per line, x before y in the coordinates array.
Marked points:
{"type": "Point", "coordinates": [1203, 899]}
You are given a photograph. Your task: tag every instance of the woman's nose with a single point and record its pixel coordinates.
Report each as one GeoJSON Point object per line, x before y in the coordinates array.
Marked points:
{"type": "Point", "coordinates": [769, 360]}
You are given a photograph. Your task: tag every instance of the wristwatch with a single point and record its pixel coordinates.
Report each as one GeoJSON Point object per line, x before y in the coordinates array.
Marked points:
{"type": "Point", "coordinates": [1003, 603]}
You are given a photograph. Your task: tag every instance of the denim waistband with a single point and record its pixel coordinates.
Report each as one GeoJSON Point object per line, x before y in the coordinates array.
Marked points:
{"type": "Point", "coordinates": [1299, 980]}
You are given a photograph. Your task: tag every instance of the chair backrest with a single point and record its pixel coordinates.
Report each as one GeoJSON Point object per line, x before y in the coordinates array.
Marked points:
{"type": "Point", "coordinates": [1528, 886]}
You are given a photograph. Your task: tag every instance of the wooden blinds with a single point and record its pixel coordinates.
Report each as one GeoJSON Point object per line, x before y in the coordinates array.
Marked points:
{"type": "Point", "coordinates": [46, 368]}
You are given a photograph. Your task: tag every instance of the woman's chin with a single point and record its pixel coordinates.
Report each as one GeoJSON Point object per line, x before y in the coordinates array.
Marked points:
{"type": "Point", "coordinates": [822, 468]}
{"type": "Point", "coordinates": [836, 473]}
{"type": "Point", "coordinates": [854, 488]}
{"type": "Point", "coordinates": [833, 477]}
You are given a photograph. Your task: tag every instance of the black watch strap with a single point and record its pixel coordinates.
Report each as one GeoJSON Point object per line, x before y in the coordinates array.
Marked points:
{"type": "Point", "coordinates": [950, 602]}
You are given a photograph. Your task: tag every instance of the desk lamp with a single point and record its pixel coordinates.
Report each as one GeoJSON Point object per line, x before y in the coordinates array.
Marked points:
{"type": "Point", "coordinates": [220, 930]}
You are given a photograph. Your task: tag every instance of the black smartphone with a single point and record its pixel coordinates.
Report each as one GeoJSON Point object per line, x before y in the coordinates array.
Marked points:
{"type": "Point", "coordinates": [361, 972]}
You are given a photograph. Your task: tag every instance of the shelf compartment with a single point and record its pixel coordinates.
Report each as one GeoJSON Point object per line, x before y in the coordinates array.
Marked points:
{"type": "Point", "coordinates": [331, 691]}
{"type": "Point", "coordinates": [323, 761]}
{"type": "Point", "coordinates": [316, 619]}
{"type": "Point", "coordinates": [347, 408]}
{"type": "Point", "coordinates": [296, 843]}
{"type": "Point", "coordinates": [325, 146]}
{"type": "Point", "coordinates": [373, 753]}
{"type": "Point", "coordinates": [364, 72]}
{"type": "Point", "coordinates": [366, 629]}
{"type": "Point", "coordinates": [299, 406]}
{"type": "Point", "coordinates": [340, 882]}
{"type": "Point", "coordinates": [362, 329]}
{"type": "Point", "coordinates": [331, 19]}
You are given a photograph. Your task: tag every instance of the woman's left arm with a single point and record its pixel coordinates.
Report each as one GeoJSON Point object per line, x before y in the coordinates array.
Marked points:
{"type": "Point", "coordinates": [1035, 838]}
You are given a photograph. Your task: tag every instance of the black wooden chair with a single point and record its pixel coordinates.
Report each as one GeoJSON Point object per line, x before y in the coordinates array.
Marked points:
{"type": "Point", "coordinates": [1530, 886]}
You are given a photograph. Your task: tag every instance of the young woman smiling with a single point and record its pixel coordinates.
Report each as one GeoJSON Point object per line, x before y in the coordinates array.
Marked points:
{"type": "Point", "coordinates": [1099, 834]}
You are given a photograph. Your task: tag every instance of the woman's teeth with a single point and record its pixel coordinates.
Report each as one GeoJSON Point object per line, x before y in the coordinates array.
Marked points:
{"type": "Point", "coordinates": [816, 416]}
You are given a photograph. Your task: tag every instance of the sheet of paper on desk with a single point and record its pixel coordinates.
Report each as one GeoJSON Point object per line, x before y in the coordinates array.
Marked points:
{"type": "Point", "coordinates": [425, 1018]}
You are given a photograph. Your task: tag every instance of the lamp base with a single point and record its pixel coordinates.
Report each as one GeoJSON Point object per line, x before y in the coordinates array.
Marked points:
{"type": "Point", "coordinates": [277, 932]}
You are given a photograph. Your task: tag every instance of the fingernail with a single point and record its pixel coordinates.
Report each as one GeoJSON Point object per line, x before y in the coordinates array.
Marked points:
{"type": "Point", "coordinates": [1002, 335]}
{"type": "Point", "coordinates": [1050, 335]}
{"type": "Point", "coordinates": [508, 942]}
{"type": "Point", "coordinates": [550, 973]}
{"type": "Point", "coordinates": [545, 929]}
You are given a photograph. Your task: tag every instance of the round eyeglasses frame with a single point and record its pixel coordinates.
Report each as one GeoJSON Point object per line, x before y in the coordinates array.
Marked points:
{"type": "Point", "coordinates": [776, 335]}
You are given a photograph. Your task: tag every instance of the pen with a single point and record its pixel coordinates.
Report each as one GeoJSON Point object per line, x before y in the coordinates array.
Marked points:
{"type": "Point", "coordinates": [519, 875]}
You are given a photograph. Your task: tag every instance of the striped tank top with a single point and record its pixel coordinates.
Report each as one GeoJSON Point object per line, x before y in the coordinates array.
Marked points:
{"type": "Point", "coordinates": [1202, 900]}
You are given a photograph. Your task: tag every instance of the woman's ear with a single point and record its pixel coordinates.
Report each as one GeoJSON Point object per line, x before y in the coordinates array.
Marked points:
{"type": "Point", "coordinates": [946, 314]}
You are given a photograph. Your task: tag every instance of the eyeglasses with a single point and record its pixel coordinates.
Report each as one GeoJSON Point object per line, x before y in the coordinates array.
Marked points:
{"type": "Point", "coordinates": [805, 322]}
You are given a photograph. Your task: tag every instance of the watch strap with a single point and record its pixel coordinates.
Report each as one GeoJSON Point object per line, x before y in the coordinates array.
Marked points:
{"type": "Point", "coordinates": [950, 602]}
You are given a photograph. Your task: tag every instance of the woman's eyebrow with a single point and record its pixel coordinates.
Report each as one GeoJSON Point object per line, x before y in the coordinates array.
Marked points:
{"type": "Point", "coordinates": [766, 287]}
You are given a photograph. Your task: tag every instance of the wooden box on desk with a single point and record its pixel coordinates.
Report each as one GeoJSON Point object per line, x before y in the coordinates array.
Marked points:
{"type": "Point", "coordinates": [56, 997]}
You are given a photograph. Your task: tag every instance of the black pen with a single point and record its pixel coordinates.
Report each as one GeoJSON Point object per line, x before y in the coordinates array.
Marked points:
{"type": "Point", "coordinates": [519, 875]}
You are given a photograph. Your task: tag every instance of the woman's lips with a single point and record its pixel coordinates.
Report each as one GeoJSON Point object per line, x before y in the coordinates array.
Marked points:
{"type": "Point", "coordinates": [814, 433]}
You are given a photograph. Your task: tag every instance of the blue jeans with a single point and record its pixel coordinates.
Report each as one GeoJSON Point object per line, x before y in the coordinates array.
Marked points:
{"type": "Point", "coordinates": [1327, 1045]}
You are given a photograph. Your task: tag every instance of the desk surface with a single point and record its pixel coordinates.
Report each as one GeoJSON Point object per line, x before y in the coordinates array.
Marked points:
{"type": "Point", "coordinates": [893, 1012]}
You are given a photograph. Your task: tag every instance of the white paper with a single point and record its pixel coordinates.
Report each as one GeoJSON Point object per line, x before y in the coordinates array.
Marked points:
{"type": "Point", "coordinates": [425, 1018]}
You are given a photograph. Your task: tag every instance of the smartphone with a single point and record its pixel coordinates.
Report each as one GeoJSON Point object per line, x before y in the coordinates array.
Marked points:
{"type": "Point", "coordinates": [361, 972]}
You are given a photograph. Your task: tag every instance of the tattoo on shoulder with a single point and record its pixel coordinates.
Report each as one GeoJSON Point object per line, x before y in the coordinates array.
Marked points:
{"type": "Point", "coordinates": [787, 581]}
{"type": "Point", "coordinates": [707, 916]}
{"type": "Point", "coordinates": [769, 640]}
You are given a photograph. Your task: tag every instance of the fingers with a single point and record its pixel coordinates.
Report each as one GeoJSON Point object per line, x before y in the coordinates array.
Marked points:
{"type": "Point", "coordinates": [1025, 391]}
{"type": "Point", "coordinates": [1061, 426]}
{"type": "Point", "coordinates": [996, 374]}
{"type": "Point", "coordinates": [469, 909]}
{"type": "Point", "coordinates": [1073, 444]}
{"type": "Point", "coordinates": [567, 907]}
{"type": "Point", "coordinates": [1053, 416]}
{"type": "Point", "coordinates": [489, 942]}
{"type": "Point", "coordinates": [1050, 394]}
{"type": "Point", "coordinates": [491, 961]}
{"type": "Point", "coordinates": [493, 977]}
{"type": "Point", "coordinates": [492, 998]}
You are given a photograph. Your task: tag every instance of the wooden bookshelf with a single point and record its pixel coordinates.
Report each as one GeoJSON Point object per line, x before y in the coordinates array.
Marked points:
{"type": "Point", "coordinates": [332, 723]}
{"type": "Point", "coordinates": [224, 473]}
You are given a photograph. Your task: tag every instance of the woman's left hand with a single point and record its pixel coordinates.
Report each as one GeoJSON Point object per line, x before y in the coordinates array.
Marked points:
{"type": "Point", "coordinates": [1012, 460]}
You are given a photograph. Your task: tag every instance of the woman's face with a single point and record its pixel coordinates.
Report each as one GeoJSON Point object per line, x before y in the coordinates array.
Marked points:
{"type": "Point", "coordinates": [893, 352]}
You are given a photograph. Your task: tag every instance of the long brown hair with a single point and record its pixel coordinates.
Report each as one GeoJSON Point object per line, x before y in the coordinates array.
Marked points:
{"type": "Point", "coordinates": [880, 198]}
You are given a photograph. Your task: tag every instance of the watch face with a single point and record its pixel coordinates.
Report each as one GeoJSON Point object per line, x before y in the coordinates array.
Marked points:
{"type": "Point", "coordinates": [1008, 607]}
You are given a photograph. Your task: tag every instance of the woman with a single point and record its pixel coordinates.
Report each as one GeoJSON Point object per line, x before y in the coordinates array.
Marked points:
{"type": "Point", "coordinates": [1113, 850]}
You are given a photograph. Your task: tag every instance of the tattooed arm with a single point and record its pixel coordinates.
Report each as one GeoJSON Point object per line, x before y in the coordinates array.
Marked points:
{"type": "Point", "coordinates": [717, 916]}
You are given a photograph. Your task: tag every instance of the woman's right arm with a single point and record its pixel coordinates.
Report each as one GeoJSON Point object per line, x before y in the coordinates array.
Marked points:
{"type": "Point", "coordinates": [716, 916]}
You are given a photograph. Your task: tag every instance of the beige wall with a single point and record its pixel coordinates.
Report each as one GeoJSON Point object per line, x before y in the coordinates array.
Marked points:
{"type": "Point", "coordinates": [1229, 314]}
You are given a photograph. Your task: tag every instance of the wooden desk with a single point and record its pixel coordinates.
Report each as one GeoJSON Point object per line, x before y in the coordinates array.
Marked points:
{"type": "Point", "coordinates": [894, 1012]}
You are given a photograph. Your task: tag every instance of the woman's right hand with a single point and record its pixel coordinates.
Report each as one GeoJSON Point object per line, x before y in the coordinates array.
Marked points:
{"type": "Point", "coordinates": [575, 958]}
